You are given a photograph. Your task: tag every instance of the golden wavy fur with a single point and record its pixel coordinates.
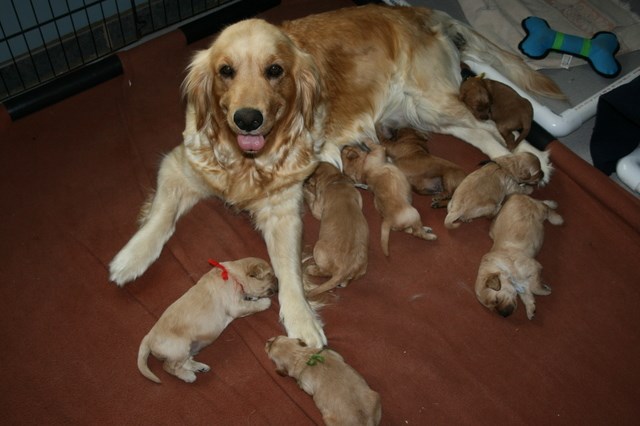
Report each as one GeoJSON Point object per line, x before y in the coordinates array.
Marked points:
{"type": "Point", "coordinates": [265, 103]}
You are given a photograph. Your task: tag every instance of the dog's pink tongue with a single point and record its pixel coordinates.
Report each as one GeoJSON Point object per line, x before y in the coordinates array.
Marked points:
{"type": "Point", "coordinates": [250, 143]}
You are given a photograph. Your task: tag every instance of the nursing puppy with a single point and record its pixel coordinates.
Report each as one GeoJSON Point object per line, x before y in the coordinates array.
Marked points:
{"type": "Point", "coordinates": [426, 173]}
{"type": "Point", "coordinates": [341, 249]}
{"type": "Point", "coordinates": [492, 100]}
{"type": "Point", "coordinates": [510, 270]}
{"type": "Point", "coordinates": [482, 192]}
{"type": "Point", "coordinates": [236, 289]}
{"type": "Point", "coordinates": [340, 393]}
{"type": "Point", "coordinates": [391, 191]}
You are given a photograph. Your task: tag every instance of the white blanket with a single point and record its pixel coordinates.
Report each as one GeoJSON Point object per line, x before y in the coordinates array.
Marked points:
{"type": "Point", "coordinates": [500, 21]}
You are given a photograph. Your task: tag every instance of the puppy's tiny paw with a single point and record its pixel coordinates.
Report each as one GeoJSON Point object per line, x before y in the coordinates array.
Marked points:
{"type": "Point", "coordinates": [202, 368]}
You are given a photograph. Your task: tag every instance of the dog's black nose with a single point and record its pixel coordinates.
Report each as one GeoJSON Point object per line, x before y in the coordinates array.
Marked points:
{"type": "Point", "coordinates": [506, 310]}
{"type": "Point", "coordinates": [248, 119]}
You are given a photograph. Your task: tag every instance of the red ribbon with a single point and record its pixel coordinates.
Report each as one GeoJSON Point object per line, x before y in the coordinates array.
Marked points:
{"type": "Point", "coordinates": [225, 273]}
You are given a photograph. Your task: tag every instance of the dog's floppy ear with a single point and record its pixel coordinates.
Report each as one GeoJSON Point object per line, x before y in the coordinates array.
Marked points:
{"type": "Point", "coordinates": [307, 86]}
{"type": "Point", "coordinates": [493, 282]}
{"type": "Point", "coordinates": [197, 88]}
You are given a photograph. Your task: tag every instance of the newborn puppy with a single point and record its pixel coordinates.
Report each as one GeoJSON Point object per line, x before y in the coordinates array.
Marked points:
{"type": "Point", "coordinates": [340, 393]}
{"type": "Point", "coordinates": [341, 250]}
{"type": "Point", "coordinates": [426, 173]}
{"type": "Point", "coordinates": [492, 100]}
{"type": "Point", "coordinates": [482, 192]}
{"type": "Point", "coordinates": [391, 190]}
{"type": "Point", "coordinates": [509, 270]}
{"type": "Point", "coordinates": [236, 289]}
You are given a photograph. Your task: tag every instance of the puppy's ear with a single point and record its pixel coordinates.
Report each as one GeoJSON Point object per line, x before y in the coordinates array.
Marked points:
{"type": "Point", "coordinates": [493, 282]}
{"type": "Point", "coordinates": [197, 87]}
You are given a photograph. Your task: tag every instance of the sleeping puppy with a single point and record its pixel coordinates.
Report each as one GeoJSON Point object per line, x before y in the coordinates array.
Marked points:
{"type": "Point", "coordinates": [426, 173]}
{"type": "Point", "coordinates": [341, 250]}
{"type": "Point", "coordinates": [510, 270]}
{"type": "Point", "coordinates": [236, 289]}
{"type": "Point", "coordinates": [492, 100]}
{"type": "Point", "coordinates": [391, 191]}
{"type": "Point", "coordinates": [340, 393]}
{"type": "Point", "coordinates": [482, 192]}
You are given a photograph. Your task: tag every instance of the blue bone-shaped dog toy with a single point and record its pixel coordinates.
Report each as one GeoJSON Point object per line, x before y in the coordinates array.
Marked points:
{"type": "Point", "coordinates": [599, 50]}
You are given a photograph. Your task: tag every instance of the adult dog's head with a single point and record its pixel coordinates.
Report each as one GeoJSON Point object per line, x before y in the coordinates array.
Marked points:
{"type": "Point", "coordinates": [254, 86]}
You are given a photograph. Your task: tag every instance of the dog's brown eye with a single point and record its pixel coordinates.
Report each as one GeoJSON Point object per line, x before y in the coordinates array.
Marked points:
{"type": "Point", "coordinates": [274, 71]}
{"type": "Point", "coordinates": [226, 71]}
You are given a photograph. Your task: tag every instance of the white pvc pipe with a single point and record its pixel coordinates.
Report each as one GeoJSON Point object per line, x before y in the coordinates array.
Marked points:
{"type": "Point", "coordinates": [568, 120]}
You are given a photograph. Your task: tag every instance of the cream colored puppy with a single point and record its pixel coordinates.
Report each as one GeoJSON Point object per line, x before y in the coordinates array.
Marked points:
{"type": "Point", "coordinates": [341, 250]}
{"type": "Point", "coordinates": [391, 190]}
{"type": "Point", "coordinates": [510, 269]}
{"type": "Point", "coordinates": [236, 289]}
{"type": "Point", "coordinates": [483, 191]}
{"type": "Point", "coordinates": [340, 392]}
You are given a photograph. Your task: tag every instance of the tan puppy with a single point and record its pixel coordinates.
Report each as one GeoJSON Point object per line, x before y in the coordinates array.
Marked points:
{"type": "Point", "coordinates": [426, 173]}
{"type": "Point", "coordinates": [492, 100]}
{"type": "Point", "coordinates": [340, 393]}
{"type": "Point", "coordinates": [483, 191]}
{"type": "Point", "coordinates": [341, 250]}
{"type": "Point", "coordinates": [236, 289]}
{"type": "Point", "coordinates": [509, 270]}
{"type": "Point", "coordinates": [391, 190]}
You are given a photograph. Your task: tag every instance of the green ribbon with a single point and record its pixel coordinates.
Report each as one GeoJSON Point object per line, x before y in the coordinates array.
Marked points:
{"type": "Point", "coordinates": [315, 359]}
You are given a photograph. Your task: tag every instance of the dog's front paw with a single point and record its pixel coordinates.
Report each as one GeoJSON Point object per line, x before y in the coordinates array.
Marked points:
{"type": "Point", "coordinates": [122, 269]}
{"type": "Point", "coordinates": [542, 290]}
{"type": "Point", "coordinates": [303, 323]}
{"type": "Point", "coordinates": [133, 259]}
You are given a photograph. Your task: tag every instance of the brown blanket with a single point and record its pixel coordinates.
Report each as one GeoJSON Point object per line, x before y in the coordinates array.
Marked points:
{"type": "Point", "coordinates": [73, 178]}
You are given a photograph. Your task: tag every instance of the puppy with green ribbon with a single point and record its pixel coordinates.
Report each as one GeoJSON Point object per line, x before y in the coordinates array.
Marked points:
{"type": "Point", "coordinates": [339, 391]}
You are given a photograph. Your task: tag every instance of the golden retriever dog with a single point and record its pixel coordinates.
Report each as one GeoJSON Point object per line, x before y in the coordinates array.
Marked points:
{"type": "Point", "coordinates": [341, 249]}
{"type": "Point", "coordinates": [510, 269]}
{"type": "Point", "coordinates": [483, 191]}
{"type": "Point", "coordinates": [265, 103]}
{"type": "Point", "coordinates": [340, 392]}
{"type": "Point", "coordinates": [492, 100]}
{"type": "Point", "coordinates": [391, 191]}
{"type": "Point", "coordinates": [236, 289]}
{"type": "Point", "coordinates": [426, 173]}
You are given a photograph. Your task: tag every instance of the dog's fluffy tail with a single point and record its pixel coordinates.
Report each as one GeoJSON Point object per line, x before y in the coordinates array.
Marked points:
{"type": "Point", "coordinates": [474, 46]}
{"type": "Point", "coordinates": [143, 355]}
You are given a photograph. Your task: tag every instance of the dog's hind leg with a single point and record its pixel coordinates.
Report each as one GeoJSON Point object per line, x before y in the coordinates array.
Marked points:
{"type": "Point", "coordinates": [174, 196]}
{"type": "Point", "coordinates": [195, 366]}
{"type": "Point", "coordinates": [177, 368]}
